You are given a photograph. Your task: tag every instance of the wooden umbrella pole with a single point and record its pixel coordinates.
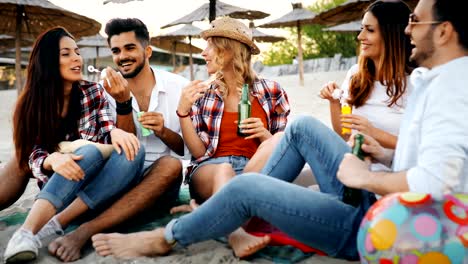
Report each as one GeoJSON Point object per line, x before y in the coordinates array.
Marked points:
{"type": "Point", "coordinates": [19, 17]}
{"type": "Point", "coordinates": [190, 59]}
{"type": "Point", "coordinates": [97, 57]}
{"type": "Point", "coordinates": [299, 54]}
{"type": "Point", "coordinates": [212, 10]}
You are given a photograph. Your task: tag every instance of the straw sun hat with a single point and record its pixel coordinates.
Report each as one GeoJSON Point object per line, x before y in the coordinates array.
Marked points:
{"type": "Point", "coordinates": [231, 28]}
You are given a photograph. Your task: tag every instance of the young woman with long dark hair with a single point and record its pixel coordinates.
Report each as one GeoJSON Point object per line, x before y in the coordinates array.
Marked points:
{"type": "Point", "coordinates": [57, 105]}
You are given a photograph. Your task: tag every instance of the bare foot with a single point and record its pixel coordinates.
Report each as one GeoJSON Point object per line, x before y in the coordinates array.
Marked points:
{"type": "Point", "coordinates": [245, 244]}
{"type": "Point", "coordinates": [131, 245]}
{"type": "Point", "coordinates": [185, 208]}
{"type": "Point", "coordinates": [68, 247]}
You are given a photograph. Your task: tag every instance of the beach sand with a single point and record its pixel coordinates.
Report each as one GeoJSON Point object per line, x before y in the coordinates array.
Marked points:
{"type": "Point", "coordinates": [304, 100]}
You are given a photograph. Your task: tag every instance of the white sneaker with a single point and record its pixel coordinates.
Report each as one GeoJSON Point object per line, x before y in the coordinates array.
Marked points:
{"type": "Point", "coordinates": [23, 246]}
{"type": "Point", "coordinates": [52, 227]}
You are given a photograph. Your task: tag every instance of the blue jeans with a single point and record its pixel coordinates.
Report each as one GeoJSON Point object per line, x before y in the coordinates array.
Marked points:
{"type": "Point", "coordinates": [318, 219]}
{"type": "Point", "coordinates": [104, 181]}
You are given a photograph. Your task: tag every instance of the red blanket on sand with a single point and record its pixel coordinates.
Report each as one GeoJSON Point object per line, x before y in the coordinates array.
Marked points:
{"type": "Point", "coordinates": [259, 227]}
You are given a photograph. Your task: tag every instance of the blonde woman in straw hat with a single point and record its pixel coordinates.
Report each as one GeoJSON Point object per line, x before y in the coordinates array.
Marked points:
{"type": "Point", "coordinates": [208, 117]}
{"type": "Point", "coordinates": [208, 111]}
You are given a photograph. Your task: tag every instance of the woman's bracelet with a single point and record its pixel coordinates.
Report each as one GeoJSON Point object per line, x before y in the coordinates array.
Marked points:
{"type": "Point", "coordinates": [182, 116]}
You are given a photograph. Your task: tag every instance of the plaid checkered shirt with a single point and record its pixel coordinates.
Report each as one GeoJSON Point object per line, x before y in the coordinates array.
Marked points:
{"type": "Point", "coordinates": [207, 112]}
{"type": "Point", "coordinates": [95, 125]}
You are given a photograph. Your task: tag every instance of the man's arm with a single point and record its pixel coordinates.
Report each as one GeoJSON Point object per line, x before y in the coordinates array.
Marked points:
{"type": "Point", "coordinates": [155, 122]}
{"type": "Point", "coordinates": [355, 173]}
{"type": "Point", "coordinates": [125, 122]}
{"type": "Point", "coordinates": [117, 88]}
{"type": "Point", "coordinates": [173, 140]}
{"type": "Point", "coordinates": [384, 183]}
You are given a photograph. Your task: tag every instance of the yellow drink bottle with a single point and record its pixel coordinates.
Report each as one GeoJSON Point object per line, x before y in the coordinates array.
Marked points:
{"type": "Point", "coordinates": [345, 110]}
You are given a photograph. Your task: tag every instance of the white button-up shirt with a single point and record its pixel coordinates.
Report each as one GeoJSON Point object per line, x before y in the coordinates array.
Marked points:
{"type": "Point", "coordinates": [164, 99]}
{"type": "Point", "coordinates": [433, 140]}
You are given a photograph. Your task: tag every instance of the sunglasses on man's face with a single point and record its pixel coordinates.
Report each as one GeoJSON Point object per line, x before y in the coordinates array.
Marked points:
{"type": "Point", "coordinates": [413, 20]}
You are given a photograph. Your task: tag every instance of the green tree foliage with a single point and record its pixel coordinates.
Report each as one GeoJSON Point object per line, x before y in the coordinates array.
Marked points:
{"type": "Point", "coordinates": [316, 43]}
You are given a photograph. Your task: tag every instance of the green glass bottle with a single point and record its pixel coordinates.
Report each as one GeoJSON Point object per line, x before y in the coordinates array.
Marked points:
{"type": "Point", "coordinates": [243, 108]}
{"type": "Point", "coordinates": [353, 196]}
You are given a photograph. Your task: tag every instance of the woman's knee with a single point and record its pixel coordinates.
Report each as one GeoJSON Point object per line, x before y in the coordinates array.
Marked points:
{"type": "Point", "coordinates": [304, 123]}
{"type": "Point", "coordinates": [305, 126]}
{"type": "Point", "coordinates": [242, 183]}
{"type": "Point", "coordinates": [140, 155]}
{"type": "Point", "coordinates": [138, 159]}
{"type": "Point", "coordinates": [89, 152]}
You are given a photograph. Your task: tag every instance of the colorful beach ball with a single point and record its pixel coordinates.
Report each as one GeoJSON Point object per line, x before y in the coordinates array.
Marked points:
{"type": "Point", "coordinates": [411, 228]}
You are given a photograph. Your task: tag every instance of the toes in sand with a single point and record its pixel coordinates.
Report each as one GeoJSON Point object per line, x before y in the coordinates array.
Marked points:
{"type": "Point", "coordinates": [245, 244]}
{"type": "Point", "coordinates": [133, 245]}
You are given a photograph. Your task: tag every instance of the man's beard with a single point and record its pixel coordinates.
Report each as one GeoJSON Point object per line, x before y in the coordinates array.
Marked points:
{"type": "Point", "coordinates": [425, 50]}
{"type": "Point", "coordinates": [135, 72]}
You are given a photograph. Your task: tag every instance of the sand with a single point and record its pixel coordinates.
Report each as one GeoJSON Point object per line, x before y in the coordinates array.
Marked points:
{"type": "Point", "coordinates": [303, 100]}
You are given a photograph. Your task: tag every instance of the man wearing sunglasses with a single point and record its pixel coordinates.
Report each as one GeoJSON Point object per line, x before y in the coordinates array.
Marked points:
{"type": "Point", "coordinates": [432, 150]}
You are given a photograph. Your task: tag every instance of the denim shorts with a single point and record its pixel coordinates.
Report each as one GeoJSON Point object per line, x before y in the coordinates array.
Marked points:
{"type": "Point", "coordinates": [237, 162]}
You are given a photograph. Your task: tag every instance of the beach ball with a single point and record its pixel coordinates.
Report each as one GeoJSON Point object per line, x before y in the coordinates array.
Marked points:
{"type": "Point", "coordinates": [412, 228]}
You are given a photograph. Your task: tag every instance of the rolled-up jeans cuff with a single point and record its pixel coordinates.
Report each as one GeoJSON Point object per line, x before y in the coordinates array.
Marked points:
{"type": "Point", "coordinates": [54, 200]}
{"type": "Point", "coordinates": [88, 201]}
{"type": "Point", "coordinates": [168, 234]}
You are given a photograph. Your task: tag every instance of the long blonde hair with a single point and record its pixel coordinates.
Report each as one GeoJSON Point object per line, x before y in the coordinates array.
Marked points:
{"type": "Point", "coordinates": [241, 63]}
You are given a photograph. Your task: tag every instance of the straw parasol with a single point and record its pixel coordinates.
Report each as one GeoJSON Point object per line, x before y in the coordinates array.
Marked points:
{"type": "Point", "coordinates": [351, 27]}
{"type": "Point", "coordinates": [174, 46]}
{"type": "Point", "coordinates": [187, 31]}
{"type": "Point", "coordinates": [26, 19]}
{"type": "Point", "coordinates": [97, 41]}
{"type": "Point", "coordinates": [262, 37]}
{"type": "Point", "coordinates": [218, 8]}
{"type": "Point", "coordinates": [350, 10]}
{"type": "Point", "coordinates": [296, 18]}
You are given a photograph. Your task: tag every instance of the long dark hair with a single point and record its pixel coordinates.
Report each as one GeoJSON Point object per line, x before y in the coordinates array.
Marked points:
{"type": "Point", "coordinates": [37, 119]}
{"type": "Point", "coordinates": [394, 61]}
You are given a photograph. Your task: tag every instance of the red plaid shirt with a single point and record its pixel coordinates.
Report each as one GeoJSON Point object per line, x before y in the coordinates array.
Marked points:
{"type": "Point", "coordinates": [95, 124]}
{"type": "Point", "coordinates": [207, 112]}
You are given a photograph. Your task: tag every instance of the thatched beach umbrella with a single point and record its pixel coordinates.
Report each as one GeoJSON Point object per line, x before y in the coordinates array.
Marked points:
{"type": "Point", "coordinates": [174, 46]}
{"type": "Point", "coordinates": [351, 27]}
{"type": "Point", "coordinates": [296, 18]}
{"type": "Point", "coordinates": [187, 31]}
{"type": "Point", "coordinates": [262, 37]}
{"type": "Point", "coordinates": [350, 10]}
{"type": "Point", "coordinates": [26, 19]}
{"type": "Point", "coordinates": [97, 41]}
{"type": "Point", "coordinates": [218, 8]}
